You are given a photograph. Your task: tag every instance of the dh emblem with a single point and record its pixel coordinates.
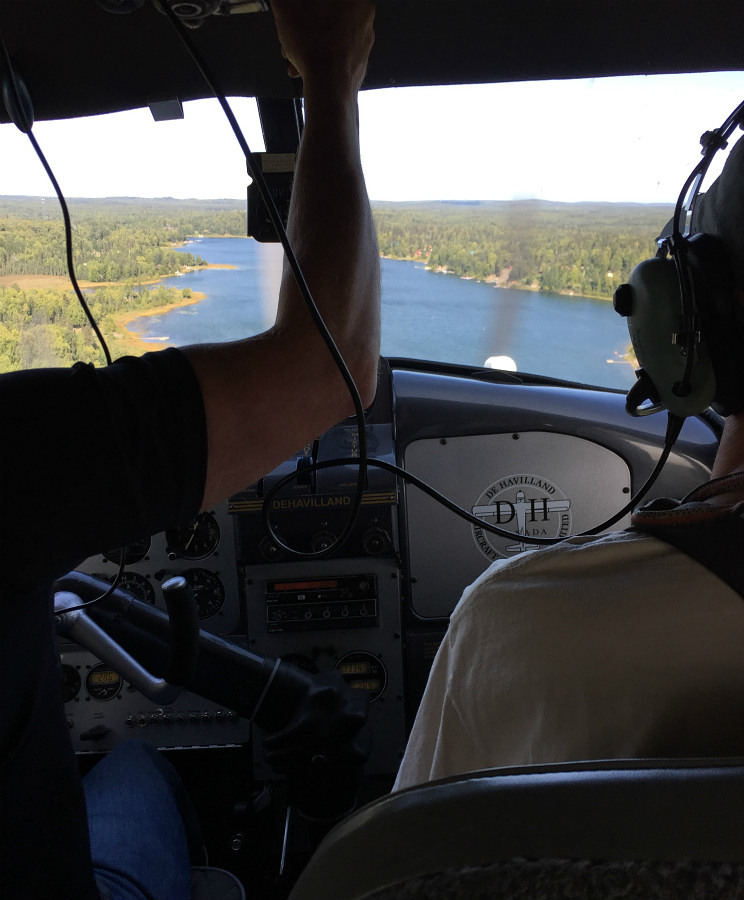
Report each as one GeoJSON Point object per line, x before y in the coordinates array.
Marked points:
{"type": "Point", "coordinates": [528, 506]}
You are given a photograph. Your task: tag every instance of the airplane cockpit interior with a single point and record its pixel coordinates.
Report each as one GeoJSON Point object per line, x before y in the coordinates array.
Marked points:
{"type": "Point", "coordinates": [321, 592]}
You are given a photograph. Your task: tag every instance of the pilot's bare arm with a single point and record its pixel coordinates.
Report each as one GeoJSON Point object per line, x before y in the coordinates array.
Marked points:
{"type": "Point", "coordinates": [267, 395]}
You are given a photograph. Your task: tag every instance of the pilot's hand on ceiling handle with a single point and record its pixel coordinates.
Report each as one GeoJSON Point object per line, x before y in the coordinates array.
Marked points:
{"type": "Point", "coordinates": [328, 40]}
{"type": "Point", "coordinates": [268, 395]}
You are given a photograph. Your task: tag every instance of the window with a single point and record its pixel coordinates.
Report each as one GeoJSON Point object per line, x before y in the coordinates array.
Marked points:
{"type": "Point", "coordinates": [507, 214]}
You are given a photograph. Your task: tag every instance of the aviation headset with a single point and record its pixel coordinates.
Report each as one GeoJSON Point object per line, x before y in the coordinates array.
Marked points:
{"type": "Point", "coordinates": [685, 324]}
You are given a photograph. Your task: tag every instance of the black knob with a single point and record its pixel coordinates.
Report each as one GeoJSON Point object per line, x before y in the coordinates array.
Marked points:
{"type": "Point", "coordinates": [375, 541]}
{"type": "Point", "coordinates": [322, 541]}
{"type": "Point", "coordinates": [270, 551]}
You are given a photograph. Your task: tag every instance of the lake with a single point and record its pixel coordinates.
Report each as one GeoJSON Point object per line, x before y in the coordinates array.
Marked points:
{"type": "Point", "coordinates": [425, 315]}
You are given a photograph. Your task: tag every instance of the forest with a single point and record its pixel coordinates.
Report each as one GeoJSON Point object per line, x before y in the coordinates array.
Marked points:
{"type": "Point", "coordinates": [47, 326]}
{"type": "Point", "coordinates": [573, 248]}
{"type": "Point", "coordinates": [124, 247]}
{"type": "Point", "coordinates": [113, 240]}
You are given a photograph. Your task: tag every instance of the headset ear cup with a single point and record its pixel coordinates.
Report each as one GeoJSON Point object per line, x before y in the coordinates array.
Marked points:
{"type": "Point", "coordinates": [653, 306]}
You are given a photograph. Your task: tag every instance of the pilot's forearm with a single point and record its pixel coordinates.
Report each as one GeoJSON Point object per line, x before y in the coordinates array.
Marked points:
{"type": "Point", "coordinates": [333, 235]}
{"type": "Point", "coordinates": [327, 44]}
{"type": "Point", "coordinates": [266, 396]}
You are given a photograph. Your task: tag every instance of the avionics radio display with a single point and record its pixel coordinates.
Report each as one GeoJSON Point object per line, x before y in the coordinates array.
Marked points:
{"type": "Point", "coordinates": [312, 604]}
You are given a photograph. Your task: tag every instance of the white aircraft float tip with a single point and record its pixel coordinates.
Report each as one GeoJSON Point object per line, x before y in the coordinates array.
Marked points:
{"type": "Point", "coordinates": [505, 363]}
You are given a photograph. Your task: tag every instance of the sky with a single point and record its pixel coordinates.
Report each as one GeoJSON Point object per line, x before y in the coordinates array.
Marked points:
{"type": "Point", "coordinates": [614, 139]}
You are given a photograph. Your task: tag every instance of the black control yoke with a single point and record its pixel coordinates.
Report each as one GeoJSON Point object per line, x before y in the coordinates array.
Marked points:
{"type": "Point", "coordinates": [74, 622]}
{"type": "Point", "coordinates": [316, 723]}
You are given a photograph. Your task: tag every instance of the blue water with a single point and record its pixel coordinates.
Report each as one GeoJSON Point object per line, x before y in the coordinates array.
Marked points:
{"type": "Point", "coordinates": [425, 315]}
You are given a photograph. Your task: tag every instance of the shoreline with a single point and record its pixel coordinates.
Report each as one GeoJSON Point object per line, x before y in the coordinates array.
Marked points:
{"type": "Point", "coordinates": [132, 338]}
{"type": "Point", "coordinates": [42, 282]}
{"type": "Point", "coordinates": [129, 340]}
{"type": "Point", "coordinates": [494, 281]}
{"type": "Point", "coordinates": [626, 358]}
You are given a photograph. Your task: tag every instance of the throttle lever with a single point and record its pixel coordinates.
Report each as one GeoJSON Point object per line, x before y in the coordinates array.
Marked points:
{"type": "Point", "coordinates": [74, 623]}
{"type": "Point", "coordinates": [184, 621]}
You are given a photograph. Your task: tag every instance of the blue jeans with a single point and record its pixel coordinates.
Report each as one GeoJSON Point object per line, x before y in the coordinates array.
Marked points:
{"type": "Point", "coordinates": [143, 830]}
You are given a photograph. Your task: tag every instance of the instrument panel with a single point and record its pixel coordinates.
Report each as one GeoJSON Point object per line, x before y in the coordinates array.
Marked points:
{"type": "Point", "coordinates": [102, 709]}
{"type": "Point", "coordinates": [203, 552]}
{"type": "Point", "coordinates": [269, 573]}
{"type": "Point", "coordinates": [323, 606]}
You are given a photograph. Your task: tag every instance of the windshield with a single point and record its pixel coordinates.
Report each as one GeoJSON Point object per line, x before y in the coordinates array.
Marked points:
{"type": "Point", "coordinates": [506, 215]}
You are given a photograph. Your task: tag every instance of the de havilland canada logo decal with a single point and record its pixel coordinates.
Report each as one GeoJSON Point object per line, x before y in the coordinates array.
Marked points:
{"type": "Point", "coordinates": [528, 506]}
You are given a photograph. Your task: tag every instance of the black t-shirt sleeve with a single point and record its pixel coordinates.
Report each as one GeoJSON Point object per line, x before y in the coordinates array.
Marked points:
{"type": "Point", "coordinates": [91, 459]}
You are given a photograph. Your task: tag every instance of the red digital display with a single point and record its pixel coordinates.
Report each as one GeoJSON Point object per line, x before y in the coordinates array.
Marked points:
{"type": "Point", "coordinates": [304, 585]}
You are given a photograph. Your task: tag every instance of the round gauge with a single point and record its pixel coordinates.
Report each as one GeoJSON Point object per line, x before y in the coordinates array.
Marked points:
{"type": "Point", "coordinates": [363, 671]}
{"type": "Point", "coordinates": [102, 682]}
{"type": "Point", "coordinates": [71, 682]}
{"type": "Point", "coordinates": [133, 552]}
{"type": "Point", "coordinates": [209, 591]}
{"type": "Point", "coordinates": [138, 586]}
{"type": "Point", "coordinates": [196, 540]}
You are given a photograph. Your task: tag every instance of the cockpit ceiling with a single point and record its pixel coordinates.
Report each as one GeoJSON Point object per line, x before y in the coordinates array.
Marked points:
{"type": "Point", "coordinates": [77, 59]}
